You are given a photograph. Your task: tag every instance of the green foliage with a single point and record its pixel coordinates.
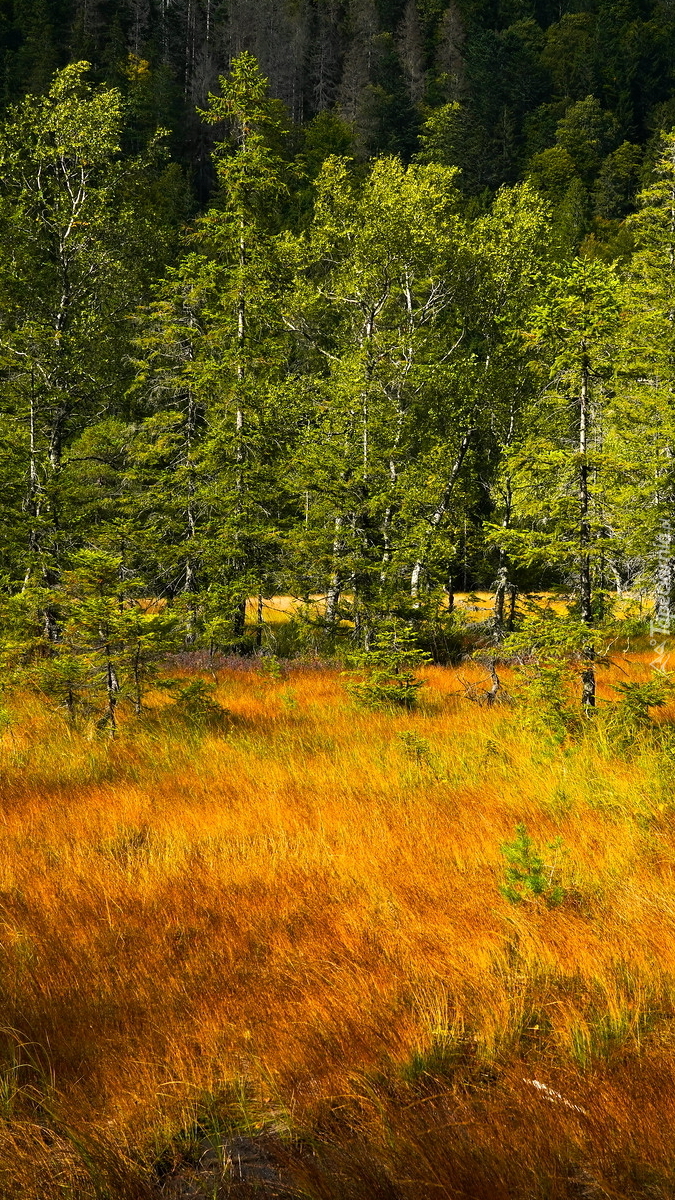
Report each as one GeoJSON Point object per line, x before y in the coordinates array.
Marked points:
{"type": "Point", "coordinates": [196, 704]}
{"type": "Point", "coordinates": [353, 385]}
{"type": "Point", "coordinates": [638, 698]}
{"type": "Point", "coordinates": [387, 668]}
{"type": "Point", "coordinates": [550, 651]}
{"type": "Point", "coordinates": [416, 748]}
{"type": "Point", "coordinates": [23, 620]}
{"type": "Point", "coordinates": [66, 679]}
{"type": "Point", "coordinates": [88, 643]}
{"type": "Point", "coordinates": [544, 632]}
{"type": "Point", "coordinates": [81, 243]}
{"type": "Point", "coordinates": [148, 638]}
{"type": "Point", "coordinates": [91, 621]}
{"type": "Point", "coordinates": [271, 668]}
{"type": "Point", "coordinates": [528, 877]}
{"type": "Point", "coordinates": [376, 73]}
{"type": "Point", "coordinates": [547, 699]}
{"type": "Point", "coordinates": [632, 715]}
{"type": "Point", "coordinates": [418, 751]}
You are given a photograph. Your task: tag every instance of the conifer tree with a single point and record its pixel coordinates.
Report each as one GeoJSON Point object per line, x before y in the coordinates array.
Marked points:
{"type": "Point", "coordinates": [643, 412]}
{"type": "Point", "coordinates": [559, 465]}
{"type": "Point", "coordinates": [214, 348]}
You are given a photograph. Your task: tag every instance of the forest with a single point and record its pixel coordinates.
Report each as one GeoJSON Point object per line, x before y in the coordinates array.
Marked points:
{"type": "Point", "coordinates": [384, 315]}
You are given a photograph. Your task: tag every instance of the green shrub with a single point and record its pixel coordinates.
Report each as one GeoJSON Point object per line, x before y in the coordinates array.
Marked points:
{"type": "Point", "coordinates": [196, 704]}
{"type": "Point", "coordinates": [416, 748]}
{"type": "Point", "coordinates": [547, 701]}
{"type": "Point", "coordinates": [67, 680]}
{"type": "Point", "coordinates": [387, 667]}
{"type": "Point", "coordinates": [527, 876]}
{"type": "Point", "coordinates": [631, 713]}
{"type": "Point", "coordinates": [271, 667]}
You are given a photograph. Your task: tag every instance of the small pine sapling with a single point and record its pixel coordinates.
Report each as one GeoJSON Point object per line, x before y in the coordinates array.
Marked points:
{"type": "Point", "coordinates": [632, 712]}
{"type": "Point", "coordinates": [92, 600]}
{"type": "Point", "coordinates": [147, 638]}
{"type": "Point", "coordinates": [196, 704]}
{"type": "Point", "coordinates": [271, 668]}
{"type": "Point", "coordinates": [37, 653]}
{"type": "Point", "coordinates": [416, 748]}
{"type": "Point", "coordinates": [386, 670]}
{"type": "Point", "coordinates": [550, 652]}
{"type": "Point", "coordinates": [66, 679]}
{"type": "Point", "coordinates": [527, 877]}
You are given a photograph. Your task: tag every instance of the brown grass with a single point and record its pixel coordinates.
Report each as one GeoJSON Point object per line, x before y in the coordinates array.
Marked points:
{"type": "Point", "coordinates": [292, 926]}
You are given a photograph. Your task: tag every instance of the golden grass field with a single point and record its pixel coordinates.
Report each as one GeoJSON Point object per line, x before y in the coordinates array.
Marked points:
{"type": "Point", "coordinates": [290, 930]}
{"type": "Point", "coordinates": [476, 606]}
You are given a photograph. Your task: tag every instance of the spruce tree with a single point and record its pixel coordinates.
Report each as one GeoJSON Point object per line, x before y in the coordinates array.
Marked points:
{"type": "Point", "coordinates": [559, 465]}
{"type": "Point", "coordinates": [643, 411]}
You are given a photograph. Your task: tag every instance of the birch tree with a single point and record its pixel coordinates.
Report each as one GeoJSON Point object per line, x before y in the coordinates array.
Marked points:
{"type": "Point", "coordinates": [383, 292]}
{"type": "Point", "coordinates": [79, 245]}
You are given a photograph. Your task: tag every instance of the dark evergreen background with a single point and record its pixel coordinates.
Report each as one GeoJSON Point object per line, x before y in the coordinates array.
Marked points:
{"type": "Point", "coordinates": [570, 93]}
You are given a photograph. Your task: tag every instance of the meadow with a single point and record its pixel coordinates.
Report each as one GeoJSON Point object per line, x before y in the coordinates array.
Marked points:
{"type": "Point", "coordinates": [271, 954]}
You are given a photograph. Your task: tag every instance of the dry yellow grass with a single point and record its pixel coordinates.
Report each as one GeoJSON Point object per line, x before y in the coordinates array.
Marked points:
{"type": "Point", "coordinates": [477, 606]}
{"type": "Point", "coordinates": [299, 913]}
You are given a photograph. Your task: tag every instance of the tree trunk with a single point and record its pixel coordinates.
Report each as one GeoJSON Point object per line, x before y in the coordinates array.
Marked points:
{"type": "Point", "coordinates": [190, 584]}
{"type": "Point", "coordinates": [585, 577]}
{"type": "Point", "coordinates": [491, 696]}
{"type": "Point", "coordinates": [411, 52]}
{"type": "Point", "coordinates": [393, 481]}
{"type": "Point", "coordinates": [260, 623]}
{"type": "Point", "coordinates": [138, 694]}
{"type": "Point", "coordinates": [335, 585]}
{"type": "Point", "coordinates": [513, 595]}
{"type": "Point", "coordinates": [500, 596]}
{"type": "Point", "coordinates": [239, 619]}
{"type": "Point", "coordinates": [241, 341]}
{"type": "Point", "coordinates": [437, 516]}
{"type": "Point", "coordinates": [32, 502]}
{"type": "Point", "coordinates": [112, 688]}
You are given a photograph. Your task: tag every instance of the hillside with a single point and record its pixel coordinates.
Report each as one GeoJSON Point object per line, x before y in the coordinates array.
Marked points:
{"type": "Point", "coordinates": [517, 70]}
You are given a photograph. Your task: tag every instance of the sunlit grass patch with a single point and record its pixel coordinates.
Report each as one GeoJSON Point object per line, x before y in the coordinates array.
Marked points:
{"type": "Point", "coordinates": [308, 896]}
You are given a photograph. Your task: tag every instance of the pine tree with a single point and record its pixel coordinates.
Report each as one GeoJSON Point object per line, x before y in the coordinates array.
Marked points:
{"type": "Point", "coordinates": [212, 346]}
{"type": "Point", "coordinates": [643, 413]}
{"type": "Point", "coordinates": [411, 52]}
{"type": "Point", "coordinates": [559, 466]}
{"type": "Point", "coordinates": [324, 56]}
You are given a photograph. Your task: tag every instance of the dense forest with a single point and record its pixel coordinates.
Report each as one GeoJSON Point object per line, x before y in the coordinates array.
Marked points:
{"type": "Point", "coordinates": [365, 301]}
{"type": "Point", "coordinates": [570, 94]}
